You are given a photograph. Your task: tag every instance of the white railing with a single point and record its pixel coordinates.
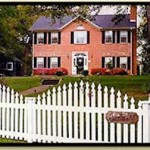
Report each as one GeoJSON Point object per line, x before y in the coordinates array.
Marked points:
{"type": "Point", "coordinates": [72, 114]}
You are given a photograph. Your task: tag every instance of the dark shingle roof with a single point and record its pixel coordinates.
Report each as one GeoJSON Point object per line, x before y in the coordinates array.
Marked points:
{"type": "Point", "coordinates": [104, 21]}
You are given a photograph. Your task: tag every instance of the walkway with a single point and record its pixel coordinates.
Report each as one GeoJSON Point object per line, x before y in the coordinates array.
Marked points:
{"type": "Point", "coordinates": [35, 90]}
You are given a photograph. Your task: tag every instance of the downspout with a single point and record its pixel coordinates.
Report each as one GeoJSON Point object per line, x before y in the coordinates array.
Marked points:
{"type": "Point", "coordinates": [32, 52]}
{"type": "Point", "coordinates": [131, 62]}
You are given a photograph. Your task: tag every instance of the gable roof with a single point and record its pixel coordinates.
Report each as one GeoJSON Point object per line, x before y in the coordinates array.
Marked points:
{"type": "Point", "coordinates": [101, 21]}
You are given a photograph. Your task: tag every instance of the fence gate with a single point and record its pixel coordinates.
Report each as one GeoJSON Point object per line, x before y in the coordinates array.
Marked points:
{"type": "Point", "coordinates": [74, 113]}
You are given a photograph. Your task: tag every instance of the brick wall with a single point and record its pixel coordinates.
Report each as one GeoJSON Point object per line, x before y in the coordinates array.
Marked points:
{"type": "Point", "coordinates": [95, 49]}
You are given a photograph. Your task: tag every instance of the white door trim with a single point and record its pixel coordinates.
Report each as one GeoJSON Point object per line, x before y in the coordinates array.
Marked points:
{"type": "Point", "coordinates": [74, 58]}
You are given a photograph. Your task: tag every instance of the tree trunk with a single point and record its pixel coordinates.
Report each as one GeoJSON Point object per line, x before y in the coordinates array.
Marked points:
{"type": "Point", "coordinates": [148, 18]}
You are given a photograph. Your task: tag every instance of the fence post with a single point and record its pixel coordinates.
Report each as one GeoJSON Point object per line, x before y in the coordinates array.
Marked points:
{"type": "Point", "coordinates": [146, 121]}
{"type": "Point", "coordinates": [30, 118]}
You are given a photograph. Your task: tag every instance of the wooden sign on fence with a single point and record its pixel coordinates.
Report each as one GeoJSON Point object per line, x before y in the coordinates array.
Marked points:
{"type": "Point", "coordinates": [122, 117]}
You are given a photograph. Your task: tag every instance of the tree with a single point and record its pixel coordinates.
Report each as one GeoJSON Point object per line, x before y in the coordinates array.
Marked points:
{"type": "Point", "coordinates": [144, 37]}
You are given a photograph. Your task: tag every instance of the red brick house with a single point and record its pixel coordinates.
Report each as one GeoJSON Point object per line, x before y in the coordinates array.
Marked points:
{"type": "Point", "coordinates": [80, 44]}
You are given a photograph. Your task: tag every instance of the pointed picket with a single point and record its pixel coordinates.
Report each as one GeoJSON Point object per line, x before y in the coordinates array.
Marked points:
{"type": "Point", "coordinates": [105, 107]}
{"type": "Point", "coordinates": [99, 105]}
{"type": "Point", "coordinates": [64, 112]}
{"type": "Point", "coordinates": [44, 116]}
{"type": "Point", "coordinates": [21, 118]}
{"type": "Point", "coordinates": [87, 100]}
{"type": "Point", "coordinates": [54, 114]}
{"type": "Point", "coordinates": [81, 104]}
{"type": "Point", "coordinates": [139, 124]}
{"type": "Point", "coordinates": [132, 126]}
{"type": "Point", "coordinates": [59, 118]}
{"type": "Point", "coordinates": [7, 112]}
{"type": "Point", "coordinates": [49, 116]}
{"type": "Point", "coordinates": [75, 112]}
{"type": "Point", "coordinates": [118, 125]}
{"type": "Point", "coordinates": [93, 114]}
{"type": "Point", "coordinates": [125, 126]}
{"type": "Point", "coordinates": [12, 114]}
{"type": "Point", "coordinates": [112, 125]}
{"type": "Point", "coordinates": [70, 121]}
{"type": "Point", "coordinates": [39, 118]}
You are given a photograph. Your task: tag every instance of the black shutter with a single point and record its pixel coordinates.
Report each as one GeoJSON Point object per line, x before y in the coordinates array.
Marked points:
{"type": "Point", "coordinates": [45, 37]}
{"type": "Point", "coordinates": [59, 63]}
{"type": "Point", "coordinates": [129, 36]}
{"type": "Point", "coordinates": [49, 37]}
{"type": "Point", "coordinates": [103, 62]}
{"type": "Point", "coordinates": [88, 37]}
{"type": "Point", "coordinates": [129, 61]}
{"type": "Point", "coordinates": [72, 37]}
{"type": "Point", "coordinates": [118, 36]}
{"type": "Point", "coordinates": [44, 62]}
{"type": "Point", "coordinates": [113, 36]}
{"type": "Point", "coordinates": [49, 62]}
{"type": "Point", "coordinates": [59, 37]}
{"type": "Point", "coordinates": [103, 37]}
{"type": "Point", "coordinates": [35, 62]}
{"type": "Point", "coordinates": [113, 62]}
{"type": "Point", "coordinates": [118, 62]}
{"type": "Point", "coordinates": [35, 38]}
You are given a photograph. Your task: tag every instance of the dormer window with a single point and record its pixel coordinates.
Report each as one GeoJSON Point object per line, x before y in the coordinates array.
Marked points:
{"type": "Point", "coordinates": [40, 38]}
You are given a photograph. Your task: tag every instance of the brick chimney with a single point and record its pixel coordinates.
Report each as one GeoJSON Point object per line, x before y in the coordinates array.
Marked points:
{"type": "Point", "coordinates": [133, 18]}
{"type": "Point", "coordinates": [133, 13]}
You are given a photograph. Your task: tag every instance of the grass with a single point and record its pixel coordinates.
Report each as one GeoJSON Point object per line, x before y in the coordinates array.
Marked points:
{"type": "Point", "coordinates": [134, 86]}
{"type": "Point", "coordinates": [21, 83]}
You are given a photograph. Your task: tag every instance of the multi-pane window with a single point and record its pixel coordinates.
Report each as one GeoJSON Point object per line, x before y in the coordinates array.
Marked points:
{"type": "Point", "coordinates": [80, 37]}
{"type": "Point", "coordinates": [123, 36]}
{"type": "Point", "coordinates": [54, 62]}
{"type": "Point", "coordinates": [40, 62]}
{"type": "Point", "coordinates": [123, 62]}
{"type": "Point", "coordinates": [54, 37]}
{"type": "Point", "coordinates": [40, 38]}
{"type": "Point", "coordinates": [108, 62]}
{"type": "Point", "coordinates": [9, 66]}
{"type": "Point", "coordinates": [108, 36]}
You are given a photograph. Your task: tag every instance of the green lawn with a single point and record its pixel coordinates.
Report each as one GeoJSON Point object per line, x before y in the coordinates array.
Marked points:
{"type": "Point", "coordinates": [21, 83]}
{"type": "Point", "coordinates": [131, 85]}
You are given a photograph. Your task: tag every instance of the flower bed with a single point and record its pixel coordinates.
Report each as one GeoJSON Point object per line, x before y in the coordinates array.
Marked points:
{"type": "Point", "coordinates": [48, 71]}
{"type": "Point", "coordinates": [104, 71]}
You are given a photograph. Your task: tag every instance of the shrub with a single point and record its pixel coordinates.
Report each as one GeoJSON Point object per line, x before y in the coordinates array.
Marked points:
{"type": "Point", "coordinates": [48, 71]}
{"type": "Point", "coordinates": [85, 72]}
{"type": "Point", "coordinates": [119, 71]}
{"type": "Point", "coordinates": [98, 71]}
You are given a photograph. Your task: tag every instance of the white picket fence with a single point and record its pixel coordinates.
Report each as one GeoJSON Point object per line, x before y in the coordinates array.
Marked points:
{"type": "Point", "coordinates": [72, 114]}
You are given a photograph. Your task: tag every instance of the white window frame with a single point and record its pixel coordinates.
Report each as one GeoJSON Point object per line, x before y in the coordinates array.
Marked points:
{"type": "Point", "coordinates": [40, 60]}
{"type": "Point", "coordinates": [106, 62]}
{"type": "Point", "coordinates": [122, 34]}
{"type": "Point", "coordinates": [123, 61]}
{"type": "Point", "coordinates": [11, 68]}
{"type": "Point", "coordinates": [109, 33]}
{"type": "Point", "coordinates": [78, 35]}
{"type": "Point", "coordinates": [52, 36]}
{"type": "Point", "coordinates": [40, 35]}
{"type": "Point", "coordinates": [51, 62]}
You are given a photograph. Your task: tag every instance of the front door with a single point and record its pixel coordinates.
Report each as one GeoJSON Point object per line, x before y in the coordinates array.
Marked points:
{"type": "Point", "coordinates": [80, 65]}
{"type": "Point", "coordinates": [79, 62]}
